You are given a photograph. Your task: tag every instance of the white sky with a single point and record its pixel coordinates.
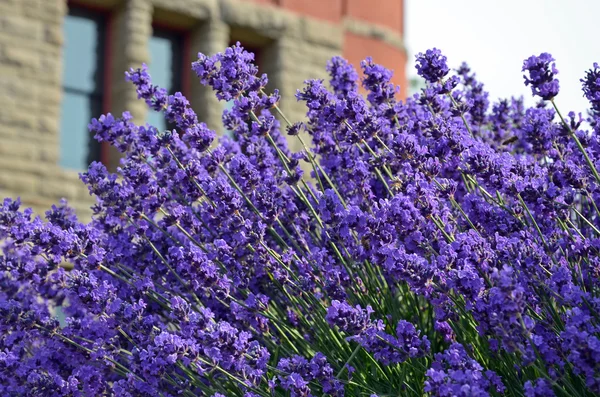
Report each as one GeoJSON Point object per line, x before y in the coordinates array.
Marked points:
{"type": "Point", "coordinates": [495, 36]}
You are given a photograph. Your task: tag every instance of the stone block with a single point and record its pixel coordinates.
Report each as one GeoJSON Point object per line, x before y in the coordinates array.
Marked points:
{"type": "Point", "coordinates": [44, 10]}
{"type": "Point", "coordinates": [56, 189]}
{"type": "Point", "coordinates": [18, 149]}
{"type": "Point", "coordinates": [20, 27]}
{"type": "Point", "coordinates": [10, 116]}
{"type": "Point", "coordinates": [197, 9]}
{"type": "Point", "coordinates": [15, 164]}
{"type": "Point", "coordinates": [17, 56]}
{"type": "Point", "coordinates": [323, 33]}
{"type": "Point", "coordinates": [53, 34]}
{"type": "Point", "coordinates": [48, 154]}
{"type": "Point", "coordinates": [15, 91]}
{"type": "Point", "coordinates": [48, 125]}
{"type": "Point", "coordinates": [269, 21]}
{"type": "Point", "coordinates": [19, 182]}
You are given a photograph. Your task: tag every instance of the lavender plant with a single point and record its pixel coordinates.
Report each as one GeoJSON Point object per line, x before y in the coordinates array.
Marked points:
{"type": "Point", "coordinates": [443, 246]}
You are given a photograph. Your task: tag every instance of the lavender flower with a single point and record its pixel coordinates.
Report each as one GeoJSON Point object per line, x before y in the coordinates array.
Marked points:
{"type": "Point", "coordinates": [297, 372]}
{"type": "Point", "coordinates": [217, 268]}
{"type": "Point", "coordinates": [377, 82]}
{"type": "Point", "coordinates": [343, 76]}
{"type": "Point", "coordinates": [538, 131]}
{"type": "Point", "coordinates": [352, 320]}
{"type": "Point", "coordinates": [541, 71]}
{"type": "Point", "coordinates": [230, 73]}
{"type": "Point", "coordinates": [454, 373]}
{"type": "Point", "coordinates": [538, 388]}
{"type": "Point", "coordinates": [591, 87]}
{"type": "Point", "coordinates": [432, 65]}
{"type": "Point", "coordinates": [407, 344]}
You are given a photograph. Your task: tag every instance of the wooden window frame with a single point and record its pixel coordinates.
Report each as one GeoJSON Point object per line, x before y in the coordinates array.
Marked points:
{"type": "Point", "coordinates": [186, 48]}
{"type": "Point", "coordinates": [107, 56]}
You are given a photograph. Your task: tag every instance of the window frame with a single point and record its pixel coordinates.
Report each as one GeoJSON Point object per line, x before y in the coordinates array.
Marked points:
{"type": "Point", "coordinates": [186, 48]}
{"type": "Point", "coordinates": [107, 62]}
{"type": "Point", "coordinates": [184, 35]}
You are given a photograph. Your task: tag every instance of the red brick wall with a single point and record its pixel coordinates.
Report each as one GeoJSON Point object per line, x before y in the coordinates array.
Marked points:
{"type": "Point", "coordinates": [330, 10]}
{"type": "Point", "coordinates": [383, 12]}
{"type": "Point", "coordinates": [357, 48]}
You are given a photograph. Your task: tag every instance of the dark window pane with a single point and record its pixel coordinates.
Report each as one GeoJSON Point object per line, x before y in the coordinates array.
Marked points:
{"type": "Point", "coordinates": [82, 87]}
{"type": "Point", "coordinates": [165, 67]}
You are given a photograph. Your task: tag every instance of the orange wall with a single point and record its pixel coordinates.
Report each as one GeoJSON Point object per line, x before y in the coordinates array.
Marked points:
{"type": "Point", "coordinates": [384, 12]}
{"type": "Point", "coordinates": [330, 10]}
{"type": "Point", "coordinates": [357, 48]}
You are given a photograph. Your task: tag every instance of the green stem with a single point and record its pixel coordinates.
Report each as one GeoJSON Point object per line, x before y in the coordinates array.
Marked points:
{"type": "Point", "coordinates": [578, 143]}
{"type": "Point", "coordinates": [354, 353]}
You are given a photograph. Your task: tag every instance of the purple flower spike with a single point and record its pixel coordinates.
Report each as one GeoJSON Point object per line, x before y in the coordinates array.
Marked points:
{"type": "Point", "coordinates": [539, 388]}
{"type": "Point", "coordinates": [541, 71]}
{"type": "Point", "coordinates": [454, 373]}
{"type": "Point", "coordinates": [377, 82]}
{"type": "Point", "coordinates": [229, 73]}
{"type": "Point", "coordinates": [591, 87]}
{"type": "Point", "coordinates": [342, 75]}
{"type": "Point", "coordinates": [432, 65]}
{"type": "Point", "coordinates": [349, 319]}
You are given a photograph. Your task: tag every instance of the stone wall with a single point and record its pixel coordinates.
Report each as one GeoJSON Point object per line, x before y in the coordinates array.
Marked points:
{"type": "Point", "coordinates": [296, 38]}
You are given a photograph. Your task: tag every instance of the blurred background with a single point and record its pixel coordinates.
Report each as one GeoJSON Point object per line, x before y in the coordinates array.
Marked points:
{"type": "Point", "coordinates": [494, 37]}
{"type": "Point", "coordinates": [62, 62]}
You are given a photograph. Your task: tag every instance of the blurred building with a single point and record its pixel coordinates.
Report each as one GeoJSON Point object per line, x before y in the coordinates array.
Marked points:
{"type": "Point", "coordinates": [62, 63]}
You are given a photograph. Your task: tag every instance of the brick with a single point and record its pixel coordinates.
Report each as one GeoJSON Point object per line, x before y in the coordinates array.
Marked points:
{"type": "Point", "coordinates": [322, 33]}
{"type": "Point", "coordinates": [357, 48]}
{"type": "Point", "coordinates": [329, 10]}
{"type": "Point", "coordinates": [377, 32]}
{"type": "Point", "coordinates": [387, 12]}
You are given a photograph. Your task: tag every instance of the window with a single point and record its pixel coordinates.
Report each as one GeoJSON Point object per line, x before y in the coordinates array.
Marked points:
{"type": "Point", "coordinates": [83, 73]}
{"type": "Point", "coordinates": [165, 67]}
